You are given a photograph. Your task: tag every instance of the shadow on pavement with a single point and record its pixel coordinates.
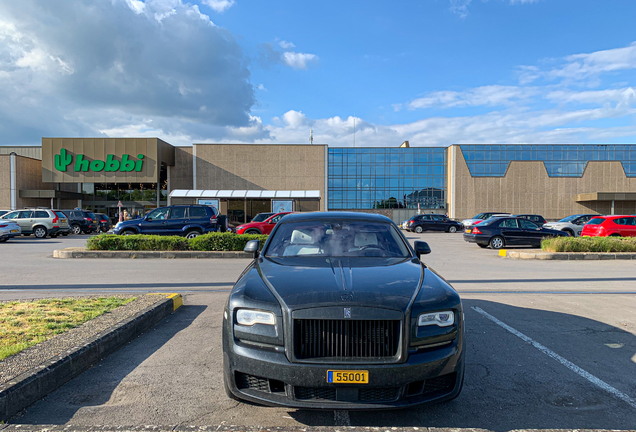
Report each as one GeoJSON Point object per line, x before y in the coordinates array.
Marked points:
{"type": "Point", "coordinates": [96, 386]}
{"type": "Point", "coordinates": [509, 384]}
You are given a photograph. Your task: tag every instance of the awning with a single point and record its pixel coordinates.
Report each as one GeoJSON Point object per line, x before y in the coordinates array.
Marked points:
{"type": "Point", "coordinates": [240, 194]}
{"type": "Point", "coordinates": [606, 196]}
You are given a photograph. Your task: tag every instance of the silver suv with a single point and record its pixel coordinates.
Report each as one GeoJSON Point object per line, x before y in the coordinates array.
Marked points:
{"type": "Point", "coordinates": [573, 225]}
{"type": "Point", "coordinates": [40, 222]}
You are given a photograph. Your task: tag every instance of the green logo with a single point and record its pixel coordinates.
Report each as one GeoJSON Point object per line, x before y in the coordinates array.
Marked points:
{"type": "Point", "coordinates": [64, 159]}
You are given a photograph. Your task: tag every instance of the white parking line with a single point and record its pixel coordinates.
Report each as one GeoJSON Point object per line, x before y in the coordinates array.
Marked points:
{"type": "Point", "coordinates": [574, 368]}
{"type": "Point", "coordinates": [341, 418]}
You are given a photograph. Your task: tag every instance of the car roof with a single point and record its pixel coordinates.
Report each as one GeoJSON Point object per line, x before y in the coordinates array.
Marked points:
{"type": "Point", "coordinates": [371, 217]}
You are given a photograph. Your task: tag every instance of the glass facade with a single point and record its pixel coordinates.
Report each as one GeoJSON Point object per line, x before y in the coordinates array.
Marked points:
{"type": "Point", "coordinates": [376, 178]}
{"type": "Point", "coordinates": [559, 160]}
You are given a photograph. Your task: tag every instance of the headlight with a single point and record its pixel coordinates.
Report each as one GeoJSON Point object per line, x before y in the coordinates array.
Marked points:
{"type": "Point", "coordinates": [441, 319]}
{"type": "Point", "coordinates": [250, 317]}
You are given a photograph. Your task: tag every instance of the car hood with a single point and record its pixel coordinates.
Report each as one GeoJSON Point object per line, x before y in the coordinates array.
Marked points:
{"type": "Point", "coordinates": [250, 225]}
{"type": "Point", "coordinates": [319, 281]}
{"type": "Point", "coordinates": [129, 222]}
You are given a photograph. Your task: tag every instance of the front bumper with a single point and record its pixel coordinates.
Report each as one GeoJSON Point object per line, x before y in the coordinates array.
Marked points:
{"type": "Point", "coordinates": [267, 377]}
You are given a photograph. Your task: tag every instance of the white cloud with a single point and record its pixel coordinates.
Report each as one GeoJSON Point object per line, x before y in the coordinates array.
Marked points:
{"type": "Point", "coordinates": [261, 87]}
{"type": "Point", "coordinates": [219, 6]}
{"type": "Point", "coordinates": [298, 60]}
{"type": "Point", "coordinates": [286, 45]}
{"type": "Point", "coordinates": [268, 56]}
{"type": "Point", "coordinates": [585, 66]}
{"type": "Point", "coordinates": [625, 96]}
{"type": "Point", "coordinates": [492, 95]}
{"type": "Point", "coordinates": [111, 71]}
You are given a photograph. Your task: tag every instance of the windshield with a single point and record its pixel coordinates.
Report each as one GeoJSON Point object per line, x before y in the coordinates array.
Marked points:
{"type": "Point", "coordinates": [337, 238]}
{"type": "Point", "coordinates": [262, 216]}
{"type": "Point", "coordinates": [569, 218]}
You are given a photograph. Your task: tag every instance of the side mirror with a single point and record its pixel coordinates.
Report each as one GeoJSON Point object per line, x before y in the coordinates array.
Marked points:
{"type": "Point", "coordinates": [422, 248]}
{"type": "Point", "coordinates": [253, 246]}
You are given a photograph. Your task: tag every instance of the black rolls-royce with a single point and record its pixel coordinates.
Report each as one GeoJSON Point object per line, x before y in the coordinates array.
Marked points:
{"type": "Point", "coordinates": [338, 312]}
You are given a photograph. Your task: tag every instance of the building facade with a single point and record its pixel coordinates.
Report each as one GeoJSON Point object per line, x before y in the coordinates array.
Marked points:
{"type": "Point", "coordinates": [243, 180]}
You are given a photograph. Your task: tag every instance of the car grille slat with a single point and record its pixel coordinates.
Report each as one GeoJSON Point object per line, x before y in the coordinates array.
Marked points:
{"type": "Point", "coordinates": [346, 339]}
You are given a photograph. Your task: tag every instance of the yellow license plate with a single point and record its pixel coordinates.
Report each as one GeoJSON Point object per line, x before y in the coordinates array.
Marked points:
{"type": "Point", "coordinates": [14, 231]}
{"type": "Point", "coordinates": [348, 377]}
{"type": "Point", "coordinates": [468, 231]}
{"type": "Point", "coordinates": [62, 220]}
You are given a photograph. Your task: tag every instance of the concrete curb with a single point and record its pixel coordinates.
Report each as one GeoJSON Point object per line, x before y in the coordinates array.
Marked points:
{"type": "Point", "coordinates": [567, 256]}
{"type": "Point", "coordinates": [83, 253]}
{"type": "Point", "coordinates": [224, 428]}
{"type": "Point", "coordinates": [31, 386]}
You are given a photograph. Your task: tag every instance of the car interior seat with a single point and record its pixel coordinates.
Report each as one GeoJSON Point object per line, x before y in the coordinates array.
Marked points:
{"type": "Point", "coordinates": [302, 243]}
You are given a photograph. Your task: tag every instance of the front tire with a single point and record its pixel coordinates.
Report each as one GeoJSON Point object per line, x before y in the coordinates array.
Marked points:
{"type": "Point", "coordinates": [497, 242]}
{"type": "Point", "coordinates": [252, 231]}
{"type": "Point", "coordinates": [452, 229]}
{"type": "Point", "coordinates": [192, 234]}
{"type": "Point", "coordinates": [76, 229]}
{"type": "Point", "coordinates": [419, 229]}
{"type": "Point", "coordinates": [570, 233]}
{"type": "Point", "coordinates": [129, 232]}
{"type": "Point", "coordinates": [39, 232]}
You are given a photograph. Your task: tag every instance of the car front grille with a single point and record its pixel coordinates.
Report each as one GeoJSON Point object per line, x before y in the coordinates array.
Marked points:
{"type": "Point", "coordinates": [442, 383]}
{"type": "Point", "coordinates": [346, 339]}
{"type": "Point", "coordinates": [315, 393]}
{"type": "Point", "coordinates": [378, 394]}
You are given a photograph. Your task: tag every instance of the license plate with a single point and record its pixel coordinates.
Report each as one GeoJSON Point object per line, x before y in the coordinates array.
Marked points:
{"type": "Point", "coordinates": [14, 231]}
{"type": "Point", "coordinates": [63, 221]}
{"type": "Point", "coordinates": [468, 230]}
{"type": "Point", "coordinates": [348, 377]}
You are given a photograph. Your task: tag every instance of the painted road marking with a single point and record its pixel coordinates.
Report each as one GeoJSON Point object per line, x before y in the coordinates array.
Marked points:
{"type": "Point", "coordinates": [341, 418]}
{"type": "Point", "coordinates": [547, 351]}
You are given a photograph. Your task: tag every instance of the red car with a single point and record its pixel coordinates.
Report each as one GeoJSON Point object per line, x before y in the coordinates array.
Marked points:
{"type": "Point", "coordinates": [610, 226]}
{"type": "Point", "coordinates": [264, 227]}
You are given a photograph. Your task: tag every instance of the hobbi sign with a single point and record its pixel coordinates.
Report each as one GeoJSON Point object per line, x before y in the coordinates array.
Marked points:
{"type": "Point", "coordinates": [64, 162]}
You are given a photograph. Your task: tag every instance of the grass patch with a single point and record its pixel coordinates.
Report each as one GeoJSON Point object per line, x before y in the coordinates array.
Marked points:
{"type": "Point", "coordinates": [24, 324]}
{"type": "Point", "coordinates": [589, 244]}
{"type": "Point", "coordinates": [206, 242]}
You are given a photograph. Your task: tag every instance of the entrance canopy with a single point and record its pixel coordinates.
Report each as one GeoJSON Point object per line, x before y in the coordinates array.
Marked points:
{"type": "Point", "coordinates": [606, 196]}
{"type": "Point", "coordinates": [238, 194]}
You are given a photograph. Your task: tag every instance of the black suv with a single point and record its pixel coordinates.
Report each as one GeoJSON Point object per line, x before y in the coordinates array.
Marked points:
{"type": "Point", "coordinates": [82, 221]}
{"type": "Point", "coordinates": [432, 222]}
{"type": "Point", "coordinates": [184, 220]}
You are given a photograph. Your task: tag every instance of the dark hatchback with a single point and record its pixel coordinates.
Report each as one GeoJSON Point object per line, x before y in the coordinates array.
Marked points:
{"type": "Point", "coordinates": [338, 312]}
{"type": "Point", "coordinates": [104, 222]}
{"type": "Point", "coordinates": [183, 220]}
{"type": "Point", "coordinates": [499, 232]}
{"type": "Point", "coordinates": [433, 222]}
{"type": "Point", "coordinates": [81, 221]}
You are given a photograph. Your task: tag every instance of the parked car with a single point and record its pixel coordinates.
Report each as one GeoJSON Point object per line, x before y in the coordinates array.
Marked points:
{"type": "Point", "coordinates": [482, 216]}
{"type": "Point", "coordinates": [433, 222]}
{"type": "Point", "coordinates": [40, 222]}
{"type": "Point", "coordinates": [185, 220]}
{"type": "Point", "coordinates": [264, 227]}
{"type": "Point", "coordinates": [82, 221]}
{"type": "Point", "coordinates": [610, 226]}
{"type": "Point", "coordinates": [339, 312]}
{"type": "Point", "coordinates": [498, 232]}
{"type": "Point", "coordinates": [9, 229]}
{"type": "Point", "coordinates": [537, 219]}
{"type": "Point", "coordinates": [104, 222]}
{"type": "Point", "coordinates": [573, 225]}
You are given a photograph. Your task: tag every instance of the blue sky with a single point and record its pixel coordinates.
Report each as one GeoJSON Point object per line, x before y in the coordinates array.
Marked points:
{"type": "Point", "coordinates": [434, 72]}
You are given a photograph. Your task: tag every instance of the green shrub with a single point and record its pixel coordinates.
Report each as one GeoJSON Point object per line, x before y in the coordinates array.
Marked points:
{"type": "Point", "coordinates": [589, 244]}
{"type": "Point", "coordinates": [224, 241]}
{"type": "Point", "coordinates": [141, 242]}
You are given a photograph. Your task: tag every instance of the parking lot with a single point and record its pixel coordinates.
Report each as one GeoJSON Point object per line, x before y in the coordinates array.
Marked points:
{"type": "Point", "coordinates": [550, 344]}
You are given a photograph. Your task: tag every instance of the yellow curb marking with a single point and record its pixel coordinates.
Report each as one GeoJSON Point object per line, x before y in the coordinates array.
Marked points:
{"type": "Point", "coordinates": [177, 300]}
{"type": "Point", "coordinates": [503, 252]}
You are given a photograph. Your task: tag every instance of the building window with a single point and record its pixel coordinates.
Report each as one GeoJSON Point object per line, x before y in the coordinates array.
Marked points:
{"type": "Point", "coordinates": [379, 178]}
{"type": "Point", "coordinates": [559, 160]}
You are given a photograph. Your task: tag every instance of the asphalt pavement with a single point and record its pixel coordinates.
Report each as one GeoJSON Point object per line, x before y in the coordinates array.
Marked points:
{"type": "Point", "coordinates": [550, 344]}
